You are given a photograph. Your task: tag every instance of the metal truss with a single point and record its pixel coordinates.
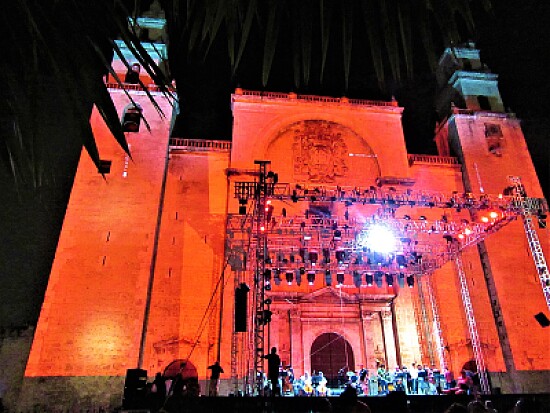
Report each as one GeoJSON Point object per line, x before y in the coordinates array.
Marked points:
{"type": "Point", "coordinates": [268, 243]}
{"type": "Point", "coordinates": [527, 211]}
{"type": "Point", "coordinates": [438, 334]}
{"type": "Point", "coordinates": [472, 326]}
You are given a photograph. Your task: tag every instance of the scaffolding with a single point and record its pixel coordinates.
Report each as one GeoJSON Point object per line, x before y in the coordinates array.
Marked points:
{"type": "Point", "coordinates": [527, 211]}
{"type": "Point", "coordinates": [296, 245]}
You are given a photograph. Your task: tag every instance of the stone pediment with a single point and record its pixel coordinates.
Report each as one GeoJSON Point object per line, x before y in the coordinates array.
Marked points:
{"type": "Point", "coordinates": [330, 295]}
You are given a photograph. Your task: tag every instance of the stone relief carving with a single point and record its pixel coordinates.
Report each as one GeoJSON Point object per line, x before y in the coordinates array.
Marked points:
{"type": "Point", "coordinates": [319, 151]}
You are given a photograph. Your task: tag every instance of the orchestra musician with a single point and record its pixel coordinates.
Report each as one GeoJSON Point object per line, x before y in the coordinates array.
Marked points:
{"type": "Point", "coordinates": [322, 389]}
{"type": "Point", "coordinates": [364, 381]}
{"type": "Point", "coordinates": [288, 380]}
{"type": "Point", "coordinates": [307, 384]}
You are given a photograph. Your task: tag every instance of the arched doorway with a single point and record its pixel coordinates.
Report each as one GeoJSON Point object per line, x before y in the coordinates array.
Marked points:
{"type": "Point", "coordinates": [332, 354]}
{"type": "Point", "coordinates": [189, 370]}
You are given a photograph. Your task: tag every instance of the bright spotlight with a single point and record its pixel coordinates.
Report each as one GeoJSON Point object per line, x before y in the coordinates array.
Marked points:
{"type": "Point", "coordinates": [379, 238]}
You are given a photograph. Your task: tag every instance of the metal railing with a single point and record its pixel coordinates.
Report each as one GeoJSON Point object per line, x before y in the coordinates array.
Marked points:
{"type": "Point", "coordinates": [313, 98]}
{"type": "Point", "coordinates": [433, 159]}
{"type": "Point", "coordinates": [199, 145]}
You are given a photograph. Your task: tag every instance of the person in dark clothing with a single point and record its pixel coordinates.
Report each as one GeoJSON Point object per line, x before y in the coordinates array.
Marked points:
{"type": "Point", "coordinates": [214, 378]}
{"type": "Point", "coordinates": [132, 76]}
{"type": "Point", "coordinates": [273, 363]}
{"type": "Point", "coordinates": [158, 390]}
{"type": "Point", "coordinates": [179, 383]}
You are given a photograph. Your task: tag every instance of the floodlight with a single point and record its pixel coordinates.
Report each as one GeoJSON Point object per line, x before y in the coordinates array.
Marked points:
{"type": "Point", "coordinates": [379, 238]}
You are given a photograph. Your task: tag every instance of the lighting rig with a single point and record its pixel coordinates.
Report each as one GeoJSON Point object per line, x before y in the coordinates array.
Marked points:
{"type": "Point", "coordinates": [379, 243]}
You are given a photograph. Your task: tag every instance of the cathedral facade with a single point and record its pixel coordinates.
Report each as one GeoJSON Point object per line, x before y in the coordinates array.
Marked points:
{"type": "Point", "coordinates": [150, 258]}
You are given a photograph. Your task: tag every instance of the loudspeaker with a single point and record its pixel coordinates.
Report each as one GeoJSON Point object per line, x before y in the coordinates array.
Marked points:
{"type": "Point", "coordinates": [241, 308]}
{"type": "Point", "coordinates": [135, 389]}
{"type": "Point", "coordinates": [542, 319]}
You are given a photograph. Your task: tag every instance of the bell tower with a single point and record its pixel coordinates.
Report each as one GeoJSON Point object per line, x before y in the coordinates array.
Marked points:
{"type": "Point", "coordinates": [492, 151]}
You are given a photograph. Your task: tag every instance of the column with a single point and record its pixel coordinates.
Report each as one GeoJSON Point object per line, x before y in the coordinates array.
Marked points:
{"type": "Point", "coordinates": [296, 338]}
{"type": "Point", "coordinates": [389, 339]}
{"type": "Point", "coordinates": [367, 349]}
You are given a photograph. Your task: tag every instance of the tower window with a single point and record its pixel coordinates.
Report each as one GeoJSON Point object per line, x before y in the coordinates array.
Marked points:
{"type": "Point", "coordinates": [494, 138]}
{"type": "Point", "coordinates": [484, 103]}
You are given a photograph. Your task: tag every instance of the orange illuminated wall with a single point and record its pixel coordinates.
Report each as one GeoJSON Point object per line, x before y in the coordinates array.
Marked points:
{"type": "Point", "coordinates": [92, 316]}
{"type": "Point", "coordinates": [185, 310]}
{"type": "Point", "coordinates": [510, 261]}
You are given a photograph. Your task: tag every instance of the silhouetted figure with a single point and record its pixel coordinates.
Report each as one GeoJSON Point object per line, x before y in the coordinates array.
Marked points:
{"type": "Point", "coordinates": [477, 406]}
{"type": "Point", "coordinates": [456, 408]}
{"type": "Point", "coordinates": [158, 390]}
{"type": "Point", "coordinates": [273, 363]}
{"type": "Point", "coordinates": [179, 383]}
{"type": "Point", "coordinates": [132, 75]}
{"type": "Point", "coordinates": [214, 378]}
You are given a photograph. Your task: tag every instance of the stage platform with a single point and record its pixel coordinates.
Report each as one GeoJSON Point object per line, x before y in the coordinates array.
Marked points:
{"type": "Point", "coordinates": [393, 403]}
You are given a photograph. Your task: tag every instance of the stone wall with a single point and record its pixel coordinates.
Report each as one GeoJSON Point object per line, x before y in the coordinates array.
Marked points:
{"type": "Point", "coordinates": [93, 393]}
{"type": "Point", "coordinates": [15, 345]}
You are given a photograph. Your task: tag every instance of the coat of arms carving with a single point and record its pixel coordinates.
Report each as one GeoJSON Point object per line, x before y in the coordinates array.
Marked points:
{"type": "Point", "coordinates": [319, 151]}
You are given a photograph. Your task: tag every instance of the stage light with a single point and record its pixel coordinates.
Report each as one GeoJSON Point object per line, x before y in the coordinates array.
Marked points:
{"type": "Point", "coordinates": [460, 236]}
{"type": "Point", "coordinates": [467, 231]}
{"type": "Point", "coordinates": [401, 280]}
{"type": "Point", "coordinates": [448, 238]}
{"type": "Point", "coordinates": [299, 274]}
{"type": "Point", "coordinates": [493, 215]}
{"type": "Point", "coordinates": [340, 278]}
{"type": "Point", "coordinates": [378, 278]}
{"type": "Point", "coordinates": [267, 275]}
{"type": "Point", "coordinates": [340, 256]}
{"type": "Point", "coordinates": [378, 238]}
{"type": "Point", "coordinates": [313, 256]}
{"type": "Point", "coordinates": [267, 301]}
{"type": "Point", "coordinates": [266, 319]}
{"type": "Point", "coordinates": [369, 279]}
{"type": "Point", "coordinates": [484, 219]}
{"type": "Point", "coordinates": [422, 218]}
{"type": "Point", "coordinates": [277, 277]}
{"type": "Point", "coordinates": [401, 261]}
{"type": "Point", "coordinates": [410, 281]}
{"type": "Point", "coordinates": [326, 255]}
{"type": "Point", "coordinates": [337, 234]}
{"type": "Point", "coordinates": [262, 228]}
{"type": "Point", "coordinates": [389, 280]}
{"type": "Point", "coordinates": [289, 278]}
{"type": "Point", "coordinates": [311, 277]}
{"type": "Point", "coordinates": [356, 278]}
{"type": "Point", "coordinates": [328, 278]}
{"type": "Point", "coordinates": [407, 217]}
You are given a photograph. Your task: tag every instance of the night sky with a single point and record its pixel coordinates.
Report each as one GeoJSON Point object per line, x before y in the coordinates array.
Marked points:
{"type": "Point", "coordinates": [514, 44]}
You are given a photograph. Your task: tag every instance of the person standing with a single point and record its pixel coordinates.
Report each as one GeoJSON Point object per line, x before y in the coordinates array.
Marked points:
{"type": "Point", "coordinates": [158, 389]}
{"type": "Point", "coordinates": [214, 384]}
{"type": "Point", "coordinates": [273, 363]}
{"type": "Point", "coordinates": [414, 379]}
{"type": "Point", "coordinates": [383, 378]}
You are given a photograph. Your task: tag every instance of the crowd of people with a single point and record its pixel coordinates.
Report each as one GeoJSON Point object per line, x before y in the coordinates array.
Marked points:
{"type": "Point", "coordinates": [419, 380]}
